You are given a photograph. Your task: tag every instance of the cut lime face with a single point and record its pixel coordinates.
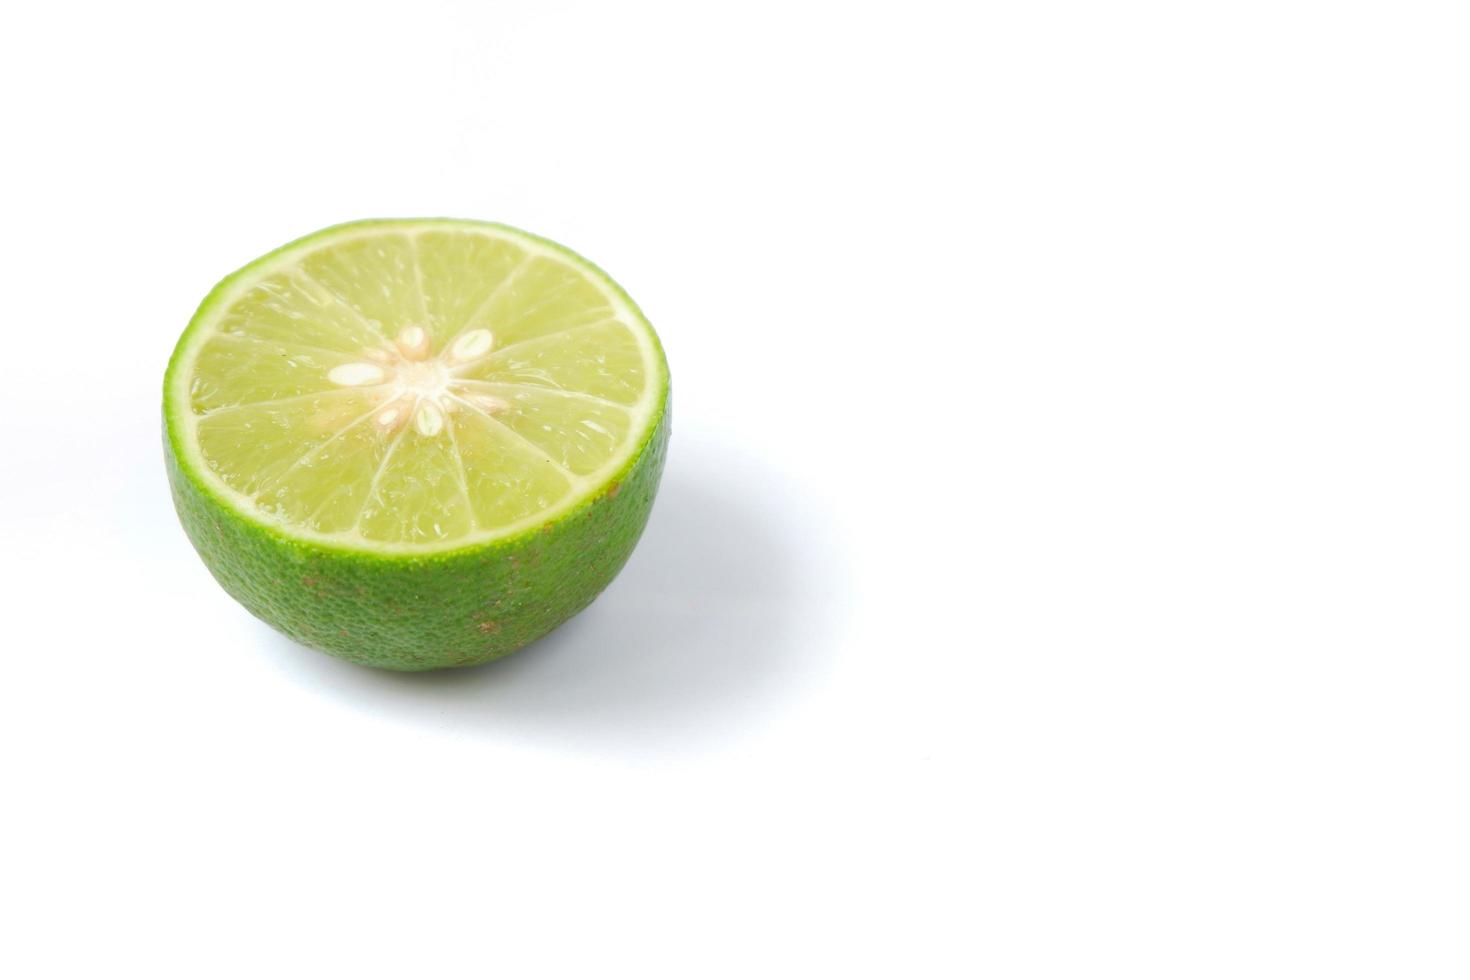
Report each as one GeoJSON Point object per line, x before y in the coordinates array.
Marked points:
{"type": "Point", "coordinates": [414, 386]}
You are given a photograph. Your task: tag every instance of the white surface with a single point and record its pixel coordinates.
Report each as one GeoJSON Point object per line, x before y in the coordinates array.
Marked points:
{"type": "Point", "coordinates": [1061, 568]}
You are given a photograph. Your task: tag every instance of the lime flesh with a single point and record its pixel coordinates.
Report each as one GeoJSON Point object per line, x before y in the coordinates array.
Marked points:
{"type": "Point", "coordinates": [379, 434]}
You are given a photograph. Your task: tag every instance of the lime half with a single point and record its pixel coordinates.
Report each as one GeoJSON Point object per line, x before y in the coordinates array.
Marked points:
{"type": "Point", "coordinates": [416, 443]}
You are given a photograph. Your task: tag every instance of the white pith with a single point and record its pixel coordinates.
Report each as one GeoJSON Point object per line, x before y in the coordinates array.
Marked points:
{"type": "Point", "coordinates": [406, 381]}
{"type": "Point", "coordinates": [411, 385]}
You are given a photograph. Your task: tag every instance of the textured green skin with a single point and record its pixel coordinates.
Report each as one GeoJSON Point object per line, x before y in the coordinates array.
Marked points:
{"type": "Point", "coordinates": [418, 611]}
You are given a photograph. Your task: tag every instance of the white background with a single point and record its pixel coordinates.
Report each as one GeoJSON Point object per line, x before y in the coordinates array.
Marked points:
{"type": "Point", "coordinates": [1062, 565]}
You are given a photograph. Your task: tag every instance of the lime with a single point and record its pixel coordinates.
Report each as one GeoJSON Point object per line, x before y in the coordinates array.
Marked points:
{"type": "Point", "coordinates": [416, 443]}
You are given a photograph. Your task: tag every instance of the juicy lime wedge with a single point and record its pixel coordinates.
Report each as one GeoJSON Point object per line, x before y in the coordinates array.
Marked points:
{"type": "Point", "coordinates": [414, 386]}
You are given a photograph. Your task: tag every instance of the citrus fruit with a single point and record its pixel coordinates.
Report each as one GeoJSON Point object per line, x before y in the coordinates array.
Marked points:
{"type": "Point", "coordinates": [416, 443]}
